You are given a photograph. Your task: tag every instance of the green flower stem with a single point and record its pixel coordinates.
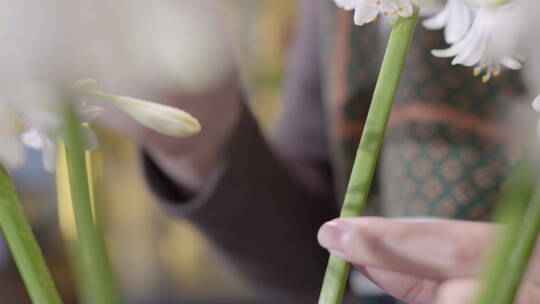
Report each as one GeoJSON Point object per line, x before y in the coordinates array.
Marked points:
{"type": "Point", "coordinates": [95, 266]}
{"type": "Point", "coordinates": [24, 247]}
{"type": "Point", "coordinates": [525, 244]}
{"type": "Point", "coordinates": [510, 212]}
{"type": "Point", "coordinates": [369, 148]}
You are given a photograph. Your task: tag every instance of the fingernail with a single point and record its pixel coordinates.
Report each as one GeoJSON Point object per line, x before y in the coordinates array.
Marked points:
{"type": "Point", "coordinates": [330, 237]}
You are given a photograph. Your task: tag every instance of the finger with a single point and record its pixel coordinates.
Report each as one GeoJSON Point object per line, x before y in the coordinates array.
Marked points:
{"type": "Point", "coordinates": [433, 250]}
{"type": "Point", "coordinates": [465, 291]}
{"type": "Point", "coordinates": [407, 288]}
{"type": "Point", "coordinates": [458, 291]}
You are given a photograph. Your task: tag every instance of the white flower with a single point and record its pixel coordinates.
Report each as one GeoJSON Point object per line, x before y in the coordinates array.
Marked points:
{"type": "Point", "coordinates": [45, 139]}
{"type": "Point", "coordinates": [33, 118]}
{"type": "Point", "coordinates": [366, 11]}
{"type": "Point", "coordinates": [45, 47]}
{"type": "Point", "coordinates": [456, 19]}
{"type": "Point", "coordinates": [484, 45]}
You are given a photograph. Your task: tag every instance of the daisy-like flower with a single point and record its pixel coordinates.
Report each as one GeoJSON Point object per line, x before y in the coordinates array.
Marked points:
{"type": "Point", "coordinates": [456, 19]}
{"type": "Point", "coordinates": [366, 11]}
{"type": "Point", "coordinates": [484, 46]}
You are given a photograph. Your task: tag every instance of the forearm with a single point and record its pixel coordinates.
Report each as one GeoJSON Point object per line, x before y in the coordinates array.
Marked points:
{"type": "Point", "coordinates": [262, 211]}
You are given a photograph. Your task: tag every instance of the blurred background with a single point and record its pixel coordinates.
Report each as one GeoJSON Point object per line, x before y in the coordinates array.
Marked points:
{"type": "Point", "coordinates": [157, 259]}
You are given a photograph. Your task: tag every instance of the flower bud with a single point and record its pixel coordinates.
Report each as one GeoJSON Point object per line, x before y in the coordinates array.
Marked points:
{"type": "Point", "coordinates": [158, 117]}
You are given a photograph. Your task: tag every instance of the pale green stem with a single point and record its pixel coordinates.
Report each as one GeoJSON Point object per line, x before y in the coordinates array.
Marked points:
{"type": "Point", "coordinates": [24, 247]}
{"type": "Point", "coordinates": [95, 265]}
{"type": "Point", "coordinates": [525, 244]}
{"type": "Point", "coordinates": [510, 212]}
{"type": "Point", "coordinates": [369, 148]}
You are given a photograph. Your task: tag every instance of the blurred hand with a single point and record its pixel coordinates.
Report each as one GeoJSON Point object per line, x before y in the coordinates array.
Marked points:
{"type": "Point", "coordinates": [421, 262]}
{"type": "Point", "coordinates": [188, 161]}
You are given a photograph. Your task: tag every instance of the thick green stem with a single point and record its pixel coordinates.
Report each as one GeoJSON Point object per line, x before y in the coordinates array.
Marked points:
{"type": "Point", "coordinates": [95, 262]}
{"type": "Point", "coordinates": [24, 247]}
{"type": "Point", "coordinates": [507, 263]}
{"type": "Point", "coordinates": [525, 244]}
{"type": "Point", "coordinates": [370, 146]}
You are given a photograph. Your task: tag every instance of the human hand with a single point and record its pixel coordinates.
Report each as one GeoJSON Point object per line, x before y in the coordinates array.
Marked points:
{"type": "Point", "coordinates": [176, 53]}
{"type": "Point", "coordinates": [422, 261]}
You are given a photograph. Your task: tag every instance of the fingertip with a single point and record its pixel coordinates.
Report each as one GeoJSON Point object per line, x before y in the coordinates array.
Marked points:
{"type": "Point", "coordinates": [330, 235]}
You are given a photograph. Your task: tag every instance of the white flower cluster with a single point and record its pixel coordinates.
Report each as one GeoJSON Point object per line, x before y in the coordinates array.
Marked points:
{"type": "Point", "coordinates": [47, 47]}
{"type": "Point", "coordinates": [481, 34]}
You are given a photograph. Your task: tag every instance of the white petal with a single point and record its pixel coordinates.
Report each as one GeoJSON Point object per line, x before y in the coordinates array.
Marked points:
{"type": "Point", "coordinates": [446, 53]}
{"type": "Point", "coordinates": [511, 63]}
{"type": "Point", "coordinates": [536, 104]}
{"type": "Point", "coordinates": [49, 155]}
{"type": "Point", "coordinates": [346, 4]}
{"type": "Point", "coordinates": [460, 19]}
{"type": "Point", "coordinates": [472, 47]}
{"type": "Point", "coordinates": [436, 22]}
{"type": "Point", "coordinates": [366, 11]}
{"type": "Point", "coordinates": [32, 139]}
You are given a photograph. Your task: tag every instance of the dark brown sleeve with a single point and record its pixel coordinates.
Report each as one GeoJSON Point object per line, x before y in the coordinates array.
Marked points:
{"type": "Point", "coordinates": [264, 204]}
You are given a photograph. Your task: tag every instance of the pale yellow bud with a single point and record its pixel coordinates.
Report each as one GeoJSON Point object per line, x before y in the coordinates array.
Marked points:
{"type": "Point", "coordinates": [158, 117]}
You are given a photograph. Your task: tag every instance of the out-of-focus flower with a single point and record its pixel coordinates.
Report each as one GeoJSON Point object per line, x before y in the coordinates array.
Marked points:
{"type": "Point", "coordinates": [48, 46]}
{"type": "Point", "coordinates": [483, 46]}
{"type": "Point", "coordinates": [33, 118]}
